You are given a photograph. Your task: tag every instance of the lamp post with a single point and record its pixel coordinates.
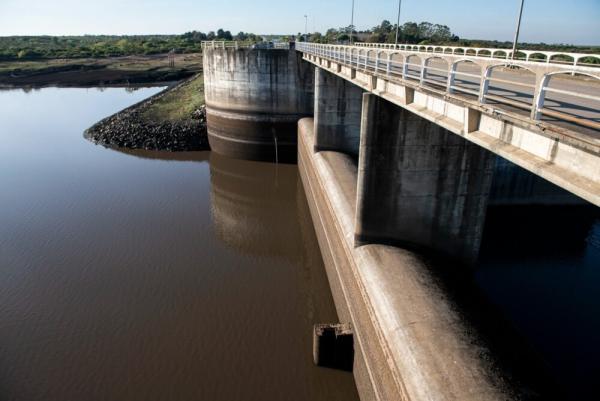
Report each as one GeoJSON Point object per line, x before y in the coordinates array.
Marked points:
{"type": "Point", "coordinates": [398, 22]}
{"type": "Point", "coordinates": [305, 27]}
{"type": "Point", "coordinates": [352, 25]}
{"type": "Point", "coordinates": [514, 50]}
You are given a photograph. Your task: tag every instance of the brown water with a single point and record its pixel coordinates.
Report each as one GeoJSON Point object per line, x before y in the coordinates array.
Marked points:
{"type": "Point", "coordinates": [139, 276]}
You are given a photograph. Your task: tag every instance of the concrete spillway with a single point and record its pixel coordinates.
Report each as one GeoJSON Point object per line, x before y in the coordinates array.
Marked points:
{"type": "Point", "coordinates": [254, 99]}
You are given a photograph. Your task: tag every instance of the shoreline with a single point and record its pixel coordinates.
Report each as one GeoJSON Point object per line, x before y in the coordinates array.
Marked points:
{"type": "Point", "coordinates": [131, 129]}
{"type": "Point", "coordinates": [129, 71]}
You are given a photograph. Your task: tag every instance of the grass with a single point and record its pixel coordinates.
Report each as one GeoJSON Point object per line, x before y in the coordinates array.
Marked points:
{"type": "Point", "coordinates": [178, 104]}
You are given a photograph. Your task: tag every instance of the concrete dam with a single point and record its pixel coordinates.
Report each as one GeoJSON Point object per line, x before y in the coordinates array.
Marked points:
{"type": "Point", "coordinates": [398, 169]}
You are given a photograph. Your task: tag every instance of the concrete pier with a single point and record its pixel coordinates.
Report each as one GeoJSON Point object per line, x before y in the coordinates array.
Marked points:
{"type": "Point", "coordinates": [418, 184]}
{"type": "Point", "coordinates": [254, 98]}
{"type": "Point", "coordinates": [338, 108]}
{"type": "Point", "coordinates": [411, 342]}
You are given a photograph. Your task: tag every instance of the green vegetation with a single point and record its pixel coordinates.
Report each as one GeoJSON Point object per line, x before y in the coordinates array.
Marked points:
{"type": "Point", "coordinates": [410, 32]}
{"type": "Point", "coordinates": [94, 46]}
{"type": "Point", "coordinates": [426, 33]}
{"type": "Point", "coordinates": [178, 104]}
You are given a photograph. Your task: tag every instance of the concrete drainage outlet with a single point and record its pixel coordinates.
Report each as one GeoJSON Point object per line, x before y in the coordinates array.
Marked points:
{"type": "Point", "coordinates": [333, 346]}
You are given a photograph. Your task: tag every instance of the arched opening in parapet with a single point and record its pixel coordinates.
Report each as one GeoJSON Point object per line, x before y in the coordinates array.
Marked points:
{"type": "Point", "coordinates": [572, 96]}
{"type": "Point", "coordinates": [562, 59]}
{"type": "Point", "coordinates": [512, 86]}
{"type": "Point", "coordinates": [538, 57]}
{"type": "Point", "coordinates": [448, 50]}
{"type": "Point", "coordinates": [396, 61]}
{"type": "Point", "coordinates": [381, 61]}
{"type": "Point", "coordinates": [371, 61]}
{"type": "Point", "coordinates": [422, 48]}
{"type": "Point", "coordinates": [590, 61]}
{"type": "Point", "coordinates": [354, 53]}
{"type": "Point", "coordinates": [362, 58]}
{"type": "Point", "coordinates": [436, 71]}
{"type": "Point", "coordinates": [519, 55]}
{"type": "Point", "coordinates": [438, 49]}
{"type": "Point", "coordinates": [459, 51]}
{"type": "Point", "coordinates": [467, 78]}
{"type": "Point", "coordinates": [413, 67]}
{"type": "Point", "coordinates": [484, 53]}
{"type": "Point", "coordinates": [500, 54]}
{"type": "Point", "coordinates": [471, 52]}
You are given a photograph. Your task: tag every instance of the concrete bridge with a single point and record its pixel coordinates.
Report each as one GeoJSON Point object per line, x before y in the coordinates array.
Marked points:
{"type": "Point", "coordinates": [397, 151]}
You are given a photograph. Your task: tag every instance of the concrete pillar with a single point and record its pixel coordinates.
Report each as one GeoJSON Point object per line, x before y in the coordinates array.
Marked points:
{"type": "Point", "coordinates": [338, 108]}
{"type": "Point", "coordinates": [419, 185]}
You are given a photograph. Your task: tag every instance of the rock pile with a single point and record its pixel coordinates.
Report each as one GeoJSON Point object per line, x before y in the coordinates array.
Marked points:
{"type": "Point", "coordinates": [129, 129]}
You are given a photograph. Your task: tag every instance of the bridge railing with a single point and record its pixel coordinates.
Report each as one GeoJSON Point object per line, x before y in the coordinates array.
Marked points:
{"type": "Point", "coordinates": [234, 44]}
{"type": "Point", "coordinates": [540, 56]}
{"type": "Point", "coordinates": [475, 77]}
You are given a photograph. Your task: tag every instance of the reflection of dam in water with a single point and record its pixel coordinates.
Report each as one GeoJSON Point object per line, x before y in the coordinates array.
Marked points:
{"type": "Point", "coordinates": [252, 205]}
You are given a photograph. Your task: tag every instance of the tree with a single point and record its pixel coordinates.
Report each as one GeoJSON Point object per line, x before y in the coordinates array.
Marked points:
{"type": "Point", "coordinates": [410, 32]}
{"type": "Point", "coordinates": [384, 28]}
{"type": "Point", "coordinates": [441, 33]}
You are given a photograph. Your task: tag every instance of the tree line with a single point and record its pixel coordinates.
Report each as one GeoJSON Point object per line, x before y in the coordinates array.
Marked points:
{"type": "Point", "coordinates": [426, 33]}
{"type": "Point", "coordinates": [98, 46]}
{"type": "Point", "coordinates": [409, 32]}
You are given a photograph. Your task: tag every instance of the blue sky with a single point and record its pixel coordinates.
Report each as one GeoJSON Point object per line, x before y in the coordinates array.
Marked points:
{"type": "Point", "coordinates": [551, 21]}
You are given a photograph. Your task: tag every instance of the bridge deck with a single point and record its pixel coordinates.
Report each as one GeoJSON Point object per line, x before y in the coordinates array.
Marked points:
{"type": "Point", "coordinates": [502, 109]}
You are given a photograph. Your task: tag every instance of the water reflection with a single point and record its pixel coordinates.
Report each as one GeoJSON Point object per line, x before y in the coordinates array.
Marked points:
{"type": "Point", "coordinates": [136, 275]}
{"type": "Point", "coordinates": [252, 205]}
{"type": "Point", "coordinates": [541, 266]}
{"type": "Point", "coordinates": [199, 157]}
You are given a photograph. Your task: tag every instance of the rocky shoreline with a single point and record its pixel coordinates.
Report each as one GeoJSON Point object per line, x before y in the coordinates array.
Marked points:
{"type": "Point", "coordinates": [131, 130]}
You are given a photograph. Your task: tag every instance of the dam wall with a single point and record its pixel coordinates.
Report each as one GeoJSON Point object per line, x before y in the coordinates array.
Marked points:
{"type": "Point", "coordinates": [419, 185]}
{"type": "Point", "coordinates": [254, 99]}
{"type": "Point", "coordinates": [411, 342]}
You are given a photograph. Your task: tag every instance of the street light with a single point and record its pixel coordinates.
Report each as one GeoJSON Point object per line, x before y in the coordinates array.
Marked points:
{"type": "Point", "coordinates": [398, 23]}
{"type": "Point", "coordinates": [514, 50]}
{"type": "Point", "coordinates": [352, 25]}
{"type": "Point", "coordinates": [305, 27]}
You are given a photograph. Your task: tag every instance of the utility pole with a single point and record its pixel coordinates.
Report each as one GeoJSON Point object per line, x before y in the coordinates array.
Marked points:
{"type": "Point", "coordinates": [352, 25]}
{"type": "Point", "coordinates": [514, 50]}
{"type": "Point", "coordinates": [305, 27]}
{"type": "Point", "coordinates": [398, 22]}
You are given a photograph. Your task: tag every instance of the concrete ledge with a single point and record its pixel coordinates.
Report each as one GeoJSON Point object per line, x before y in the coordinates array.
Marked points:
{"type": "Point", "coordinates": [411, 342]}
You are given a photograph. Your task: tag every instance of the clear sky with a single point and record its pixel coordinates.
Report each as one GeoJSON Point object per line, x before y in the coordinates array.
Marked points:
{"type": "Point", "coordinates": [550, 21]}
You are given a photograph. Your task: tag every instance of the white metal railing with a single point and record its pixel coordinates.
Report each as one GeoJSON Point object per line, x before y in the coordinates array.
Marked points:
{"type": "Point", "coordinates": [400, 64]}
{"type": "Point", "coordinates": [234, 44]}
{"type": "Point", "coordinates": [553, 57]}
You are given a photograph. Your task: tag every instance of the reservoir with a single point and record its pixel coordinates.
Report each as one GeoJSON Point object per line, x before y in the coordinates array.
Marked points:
{"type": "Point", "coordinates": [135, 275]}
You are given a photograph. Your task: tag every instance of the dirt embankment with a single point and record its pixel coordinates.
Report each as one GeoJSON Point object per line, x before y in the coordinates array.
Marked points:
{"type": "Point", "coordinates": [118, 71]}
{"type": "Point", "coordinates": [132, 128]}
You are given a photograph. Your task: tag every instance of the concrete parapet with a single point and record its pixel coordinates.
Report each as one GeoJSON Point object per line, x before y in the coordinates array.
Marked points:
{"type": "Point", "coordinates": [418, 184]}
{"type": "Point", "coordinates": [254, 98]}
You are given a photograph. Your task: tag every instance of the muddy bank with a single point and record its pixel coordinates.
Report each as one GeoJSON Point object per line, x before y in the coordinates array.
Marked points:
{"type": "Point", "coordinates": [82, 76]}
{"type": "Point", "coordinates": [111, 71]}
{"type": "Point", "coordinates": [131, 129]}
